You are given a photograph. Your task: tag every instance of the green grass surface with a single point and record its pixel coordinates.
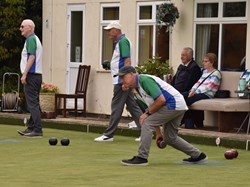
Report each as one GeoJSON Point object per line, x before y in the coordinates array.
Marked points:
{"type": "Point", "coordinates": [33, 162]}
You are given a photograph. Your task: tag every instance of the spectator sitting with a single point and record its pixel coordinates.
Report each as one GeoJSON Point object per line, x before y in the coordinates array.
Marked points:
{"type": "Point", "coordinates": [188, 73]}
{"type": "Point", "coordinates": [204, 88]}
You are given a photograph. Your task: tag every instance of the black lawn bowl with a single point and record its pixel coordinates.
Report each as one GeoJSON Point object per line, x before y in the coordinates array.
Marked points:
{"type": "Point", "coordinates": [53, 141]}
{"type": "Point", "coordinates": [65, 142]}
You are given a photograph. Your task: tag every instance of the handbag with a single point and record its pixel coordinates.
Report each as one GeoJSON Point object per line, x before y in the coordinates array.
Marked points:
{"type": "Point", "coordinates": [222, 94]}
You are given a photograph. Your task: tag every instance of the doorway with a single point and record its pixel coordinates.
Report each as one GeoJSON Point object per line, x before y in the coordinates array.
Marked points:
{"type": "Point", "coordinates": [75, 45]}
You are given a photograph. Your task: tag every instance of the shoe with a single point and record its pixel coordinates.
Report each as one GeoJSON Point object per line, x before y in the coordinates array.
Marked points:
{"type": "Point", "coordinates": [132, 124]}
{"type": "Point", "coordinates": [28, 130]}
{"type": "Point", "coordinates": [33, 134]}
{"type": "Point", "coordinates": [104, 138]}
{"type": "Point", "coordinates": [135, 161]}
{"type": "Point", "coordinates": [200, 159]}
{"type": "Point", "coordinates": [138, 139]}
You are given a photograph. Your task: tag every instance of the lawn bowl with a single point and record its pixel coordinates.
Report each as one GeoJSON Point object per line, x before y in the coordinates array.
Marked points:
{"type": "Point", "coordinates": [65, 142]}
{"type": "Point", "coordinates": [235, 153]}
{"type": "Point", "coordinates": [160, 143]}
{"type": "Point", "coordinates": [229, 154]}
{"type": "Point", "coordinates": [53, 141]}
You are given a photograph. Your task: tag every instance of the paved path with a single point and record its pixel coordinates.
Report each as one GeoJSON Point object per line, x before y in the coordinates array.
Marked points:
{"type": "Point", "coordinates": [99, 121]}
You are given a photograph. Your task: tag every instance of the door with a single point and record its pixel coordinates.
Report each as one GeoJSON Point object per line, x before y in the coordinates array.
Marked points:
{"type": "Point", "coordinates": [75, 45]}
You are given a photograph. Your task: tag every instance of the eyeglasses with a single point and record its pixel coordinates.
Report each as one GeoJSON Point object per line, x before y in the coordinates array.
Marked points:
{"type": "Point", "coordinates": [22, 26]}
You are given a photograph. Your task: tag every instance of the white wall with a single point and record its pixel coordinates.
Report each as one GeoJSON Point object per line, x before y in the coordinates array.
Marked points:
{"type": "Point", "coordinates": [100, 87]}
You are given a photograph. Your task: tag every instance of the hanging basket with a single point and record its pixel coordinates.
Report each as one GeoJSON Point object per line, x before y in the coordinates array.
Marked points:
{"type": "Point", "coordinates": [166, 15]}
{"type": "Point", "coordinates": [47, 102]}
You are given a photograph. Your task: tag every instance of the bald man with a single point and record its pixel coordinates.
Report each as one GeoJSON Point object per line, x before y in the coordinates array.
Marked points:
{"type": "Point", "coordinates": [31, 69]}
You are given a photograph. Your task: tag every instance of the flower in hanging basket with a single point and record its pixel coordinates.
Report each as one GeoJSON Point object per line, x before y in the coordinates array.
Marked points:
{"type": "Point", "coordinates": [49, 88]}
{"type": "Point", "coordinates": [166, 15]}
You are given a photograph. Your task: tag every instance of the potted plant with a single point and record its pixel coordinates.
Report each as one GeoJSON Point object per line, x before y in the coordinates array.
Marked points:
{"type": "Point", "coordinates": [166, 15]}
{"type": "Point", "coordinates": [47, 97]}
{"type": "Point", "coordinates": [49, 88]}
{"type": "Point", "coordinates": [155, 66]}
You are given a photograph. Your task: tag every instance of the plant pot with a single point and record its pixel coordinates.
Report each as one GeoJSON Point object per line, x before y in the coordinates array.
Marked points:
{"type": "Point", "coordinates": [167, 18]}
{"type": "Point", "coordinates": [47, 102]}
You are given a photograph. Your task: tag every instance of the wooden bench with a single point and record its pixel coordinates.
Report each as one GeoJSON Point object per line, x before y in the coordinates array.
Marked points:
{"type": "Point", "coordinates": [227, 113]}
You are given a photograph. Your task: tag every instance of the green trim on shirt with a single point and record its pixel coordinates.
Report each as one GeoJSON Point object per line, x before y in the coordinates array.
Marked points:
{"type": "Point", "coordinates": [31, 45]}
{"type": "Point", "coordinates": [124, 47]}
{"type": "Point", "coordinates": [150, 86]}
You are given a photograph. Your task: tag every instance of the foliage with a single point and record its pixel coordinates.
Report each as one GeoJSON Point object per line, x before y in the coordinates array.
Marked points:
{"type": "Point", "coordinates": [166, 14]}
{"type": "Point", "coordinates": [49, 88]}
{"type": "Point", "coordinates": [12, 12]}
{"type": "Point", "coordinates": [154, 66]}
{"type": "Point", "coordinates": [34, 12]}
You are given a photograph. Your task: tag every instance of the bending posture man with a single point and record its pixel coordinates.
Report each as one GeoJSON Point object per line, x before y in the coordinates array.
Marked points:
{"type": "Point", "coordinates": [122, 56]}
{"type": "Point", "coordinates": [166, 107]}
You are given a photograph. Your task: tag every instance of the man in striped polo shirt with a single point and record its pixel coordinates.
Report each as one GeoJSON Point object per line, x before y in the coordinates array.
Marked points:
{"type": "Point", "coordinates": [31, 69]}
{"type": "Point", "coordinates": [166, 107]}
{"type": "Point", "coordinates": [122, 56]}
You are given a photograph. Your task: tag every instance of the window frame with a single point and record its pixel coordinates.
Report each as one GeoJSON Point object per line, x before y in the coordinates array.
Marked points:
{"type": "Point", "coordinates": [220, 20]}
{"type": "Point", "coordinates": [104, 23]}
{"type": "Point", "coordinates": [146, 22]}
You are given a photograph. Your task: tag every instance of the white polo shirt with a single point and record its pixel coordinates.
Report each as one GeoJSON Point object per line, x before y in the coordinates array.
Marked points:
{"type": "Point", "coordinates": [32, 46]}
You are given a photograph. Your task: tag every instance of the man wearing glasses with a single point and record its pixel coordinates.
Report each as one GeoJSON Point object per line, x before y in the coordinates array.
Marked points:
{"type": "Point", "coordinates": [31, 69]}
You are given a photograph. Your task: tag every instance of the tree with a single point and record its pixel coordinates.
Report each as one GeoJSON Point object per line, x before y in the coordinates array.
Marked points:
{"type": "Point", "coordinates": [34, 12]}
{"type": "Point", "coordinates": [11, 14]}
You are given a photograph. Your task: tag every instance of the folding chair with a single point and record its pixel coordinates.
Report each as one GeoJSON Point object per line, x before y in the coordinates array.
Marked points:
{"type": "Point", "coordinates": [80, 93]}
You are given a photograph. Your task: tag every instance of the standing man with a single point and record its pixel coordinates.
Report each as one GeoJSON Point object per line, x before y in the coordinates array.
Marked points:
{"type": "Point", "coordinates": [31, 69]}
{"type": "Point", "coordinates": [166, 107]}
{"type": "Point", "coordinates": [188, 73]}
{"type": "Point", "coordinates": [122, 56]}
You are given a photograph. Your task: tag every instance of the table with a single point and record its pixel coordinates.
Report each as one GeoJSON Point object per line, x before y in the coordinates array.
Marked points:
{"type": "Point", "coordinates": [248, 115]}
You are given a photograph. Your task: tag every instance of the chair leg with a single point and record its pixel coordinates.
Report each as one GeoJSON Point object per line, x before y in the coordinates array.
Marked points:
{"type": "Point", "coordinates": [75, 107]}
{"type": "Point", "coordinates": [64, 107]}
{"type": "Point", "coordinates": [84, 107]}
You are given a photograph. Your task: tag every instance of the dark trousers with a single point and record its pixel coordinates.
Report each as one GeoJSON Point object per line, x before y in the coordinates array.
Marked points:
{"type": "Point", "coordinates": [120, 98]}
{"type": "Point", "coordinates": [196, 116]}
{"type": "Point", "coordinates": [31, 92]}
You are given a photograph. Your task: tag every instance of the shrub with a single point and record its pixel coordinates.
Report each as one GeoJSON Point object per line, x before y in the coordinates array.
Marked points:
{"type": "Point", "coordinates": [155, 67]}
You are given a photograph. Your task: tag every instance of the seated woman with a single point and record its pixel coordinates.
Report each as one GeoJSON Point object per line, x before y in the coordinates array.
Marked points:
{"type": "Point", "coordinates": [204, 88]}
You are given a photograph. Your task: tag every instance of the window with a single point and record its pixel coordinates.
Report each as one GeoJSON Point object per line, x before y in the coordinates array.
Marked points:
{"type": "Point", "coordinates": [152, 40]}
{"type": "Point", "coordinates": [76, 36]}
{"type": "Point", "coordinates": [221, 28]}
{"type": "Point", "coordinates": [109, 12]}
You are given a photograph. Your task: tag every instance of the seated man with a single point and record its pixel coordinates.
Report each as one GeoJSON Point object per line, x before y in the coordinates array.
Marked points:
{"type": "Point", "coordinates": [188, 72]}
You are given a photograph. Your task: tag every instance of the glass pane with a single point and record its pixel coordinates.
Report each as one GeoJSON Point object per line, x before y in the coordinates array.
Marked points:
{"type": "Point", "coordinates": [145, 12]}
{"type": "Point", "coordinates": [207, 10]}
{"type": "Point", "coordinates": [111, 13]}
{"type": "Point", "coordinates": [145, 42]}
{"type": "Point", "coordinates": [76, 36]}
{"type": "Point", "coordinates": [162, 43]}
{"type": "Point", "coordinates": [234, 9]}
{"type": "Point", "coordinates": [207, 40]}
{"type": "Point", "coordinates": [108, 46]}
{"type": "Point", "coordinates": [233, 46]}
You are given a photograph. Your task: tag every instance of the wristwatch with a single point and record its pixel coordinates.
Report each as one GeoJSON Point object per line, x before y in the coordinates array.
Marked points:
{"type": "Point", "coordinates": [147, 112]}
